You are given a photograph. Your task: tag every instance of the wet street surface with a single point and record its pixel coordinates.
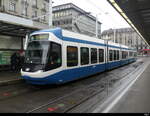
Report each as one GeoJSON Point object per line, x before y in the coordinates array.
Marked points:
{"type": "Point", "coordinates": [25, 98]}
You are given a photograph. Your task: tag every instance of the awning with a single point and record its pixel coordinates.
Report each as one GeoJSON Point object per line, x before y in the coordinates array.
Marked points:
{"type": "Point", "coordinates": [14, 30]}
{"type": "Point", "coordinates": [137, 14]}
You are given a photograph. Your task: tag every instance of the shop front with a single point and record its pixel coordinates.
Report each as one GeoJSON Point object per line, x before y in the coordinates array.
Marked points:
{"type": "Point", "coordinates": [8, 46]}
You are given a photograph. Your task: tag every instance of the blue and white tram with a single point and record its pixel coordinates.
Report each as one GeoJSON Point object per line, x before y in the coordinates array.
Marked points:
{"type": "Point", "coordinates": [58, 56]}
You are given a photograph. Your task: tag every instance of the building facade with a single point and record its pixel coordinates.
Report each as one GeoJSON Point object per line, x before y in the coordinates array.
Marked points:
{"type": "Point", "coordinates": [125, 36]}
{"type": "Point", "coordinates": [71, 17]}
{"type": "Point", "coordinates": [27, 9]}
{"type": "Point", "coordinates": [16, 19]}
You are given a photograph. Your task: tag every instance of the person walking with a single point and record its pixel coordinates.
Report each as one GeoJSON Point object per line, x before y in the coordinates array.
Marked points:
{"type": "Point", "coordinates": [13, 62]}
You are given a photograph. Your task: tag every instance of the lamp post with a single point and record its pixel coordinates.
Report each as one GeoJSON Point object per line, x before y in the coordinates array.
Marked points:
{"type": "Point", "coordinates": [97, 24]}
{"type": "Point", "coordinates": [114, 35]}
{"type": "Point", "coordinates": [106, 13]}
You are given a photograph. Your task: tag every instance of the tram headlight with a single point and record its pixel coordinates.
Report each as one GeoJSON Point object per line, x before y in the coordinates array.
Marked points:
{"type": "Point", "coordinates": [40, 71]}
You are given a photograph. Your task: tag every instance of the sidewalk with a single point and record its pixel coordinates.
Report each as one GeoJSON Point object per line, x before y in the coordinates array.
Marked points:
{"type": "Point", "coordinates": [137, 99]}
{"type": "Point", "coordinates": [8, 77]}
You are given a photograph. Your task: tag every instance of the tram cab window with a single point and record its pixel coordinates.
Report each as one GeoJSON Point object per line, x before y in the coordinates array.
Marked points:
{"type": "Point", "coordinates": [84, 56]}
{"type": "Point", "coordinates": [72, 56]}
{"type": "Point", "coordinates": [101, 55]}
{"type": "Point", "coordinates": [110, 55]}
{"type": "Point", "coordinates": [55, 56]}
{"type": "Point", "coordinates": [93, 55]}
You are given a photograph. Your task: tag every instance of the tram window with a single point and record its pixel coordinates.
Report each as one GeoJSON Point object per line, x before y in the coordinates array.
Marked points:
{"type": "Point", "coordinates": [124, 55]}
{"type": "Point", "coordinates": [72, 56]}
{"type": "Point", "coordinates": [135, 54]}
{"type": "Point", "coordinates": [93, 55]}
{"type": "Point", "coordinates": [55, 57]}
{"type": "Point", "coordinates": [84, 56]}
{"type": "Point", "coordinates": [131, 54]}
{"type": "Point", "coordinates": [101, 55]}
{"type": "Point", "coordinates": [110, 55]}
{"type": "Point", "coordinates": [115, 55]}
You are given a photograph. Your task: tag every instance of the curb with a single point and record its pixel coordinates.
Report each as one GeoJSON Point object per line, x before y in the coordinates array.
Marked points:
{"type": "Point", "coordinates": [11, 82]}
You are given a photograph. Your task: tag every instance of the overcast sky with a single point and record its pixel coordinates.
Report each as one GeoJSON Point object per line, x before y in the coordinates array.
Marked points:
{"type": "Point", "coordinates": [109, 17]}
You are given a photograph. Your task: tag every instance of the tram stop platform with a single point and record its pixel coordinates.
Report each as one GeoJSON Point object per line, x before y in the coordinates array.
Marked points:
{"type": "Point", "coordinates": [137, 97]}
{"type": "Point", "coordinates": [8, 77]}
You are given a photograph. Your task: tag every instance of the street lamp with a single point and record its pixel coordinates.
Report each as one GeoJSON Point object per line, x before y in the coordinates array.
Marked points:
{"type": "Point", "coordinates": [50, 14]}
{"type": "Point", "coordinates": [106, 13]}
{"type": "Point", "coordinates": [97, 24]}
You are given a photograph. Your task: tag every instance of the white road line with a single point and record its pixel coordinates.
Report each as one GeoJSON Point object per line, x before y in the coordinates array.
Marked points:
{"type": "Point", "coordinates": [117, 97]}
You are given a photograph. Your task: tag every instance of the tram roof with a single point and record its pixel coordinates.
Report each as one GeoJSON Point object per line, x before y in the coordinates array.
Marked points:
{"type": "Point", "coordinates": [80, 38]}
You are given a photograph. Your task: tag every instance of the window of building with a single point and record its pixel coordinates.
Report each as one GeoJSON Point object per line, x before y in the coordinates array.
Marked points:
{"type": "Point", "coordinates": [24, 8]}
{"type": "Point", "coordinates": [93, 55]}
{"type": "Point", "coordinates": [55, 57]}
{"type": "Point", "coordinates": [110, 55]}
{"type": "Point", "coordinates": [0, 3]}
{"type": "Point", "coordinates": [34, 3]}
{"type": "Point", "coordinates": [34, 14]}
{"type": "Point", "coordinates": [101, 55]}
{"type": "Point", "coordinates": [44, 5]}
{"type": "Point", "coordinates": [43, 18]}
{"type": "Point", "coordinates": [12, 5]}
{"type": "Point", "coordinates": [72, 56]}
{"type": "Point", "coordinates": [84, 56]}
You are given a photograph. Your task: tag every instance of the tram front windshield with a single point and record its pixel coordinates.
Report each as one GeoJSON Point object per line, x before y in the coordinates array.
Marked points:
{"type": "Point", "coordinates": [36, 52]}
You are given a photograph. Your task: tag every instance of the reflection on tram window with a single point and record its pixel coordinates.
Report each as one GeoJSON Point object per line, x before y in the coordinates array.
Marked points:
{"type": "Point", "coordinates": [84, 56]}
{"type": "Point", "coordinates": [110, 55]}
{"type": "Point", "coordinates": [124, 54]}
{"type": "Point", "coordinates": [72, 56]}
{"type": "Point", "coordinates": [55, 57]}
{"type": "Point", "coordinates": [115, 55]}
{"type": "Point", "coordinates": [101, 55]}
{"type": "Point", "coordinates": [93, 55]}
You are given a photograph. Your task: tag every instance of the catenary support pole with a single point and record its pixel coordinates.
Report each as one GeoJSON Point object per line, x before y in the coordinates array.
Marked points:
{"type": "Point", "coordinates": [50, 14]}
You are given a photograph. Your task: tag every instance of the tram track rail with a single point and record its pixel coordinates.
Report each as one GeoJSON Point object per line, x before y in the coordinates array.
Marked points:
{"type": "Point", "coordinates": [82, 91]}
{"type": "Point", "coordinates": [100, 86]}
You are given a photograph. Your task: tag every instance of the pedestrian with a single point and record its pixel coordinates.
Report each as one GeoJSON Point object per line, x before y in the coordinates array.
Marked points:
{"type": "Point", "coordinates": [21, 59]}
{"type": "Point", "coordinates": [13, 62]}
{"type": "Point", "coordinates": [17, 61]}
